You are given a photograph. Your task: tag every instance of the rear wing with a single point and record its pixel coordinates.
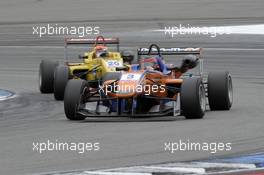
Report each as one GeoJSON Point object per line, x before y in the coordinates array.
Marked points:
{"type": "Point", "coordinates": [89, 41]}
{"type": "Point", "coordinates": [156, 50]}
{"type": "Point", "coordinates": [170, 51]}
{"type": "Point", "coordinates": [94, 41]}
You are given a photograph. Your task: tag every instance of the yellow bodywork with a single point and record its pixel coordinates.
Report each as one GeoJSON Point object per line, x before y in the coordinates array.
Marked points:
{"type": "Point", "coordinates": [96, 67]}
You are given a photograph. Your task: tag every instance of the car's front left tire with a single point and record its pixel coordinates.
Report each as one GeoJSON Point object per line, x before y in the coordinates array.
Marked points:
{"type": "Point", "coordinates": [193, 99]}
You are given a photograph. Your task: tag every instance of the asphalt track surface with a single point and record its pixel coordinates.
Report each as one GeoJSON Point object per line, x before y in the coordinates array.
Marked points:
{"type": "Point", "coordinates": [33, 117]}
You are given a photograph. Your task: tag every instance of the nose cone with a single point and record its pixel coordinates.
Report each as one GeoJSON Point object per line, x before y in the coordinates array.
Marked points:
{"type": "Point", "coordinates": [126, 88]}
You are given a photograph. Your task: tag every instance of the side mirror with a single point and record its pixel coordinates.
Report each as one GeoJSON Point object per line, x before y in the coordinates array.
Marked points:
{"type": "Point", "coordinates": [189, 62]}
{"type": "Point", "coordinates": [82, 57]}
{"type": "Point", "coordinates": [124, 68]}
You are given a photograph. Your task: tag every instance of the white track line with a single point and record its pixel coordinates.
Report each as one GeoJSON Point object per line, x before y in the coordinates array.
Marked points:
{"type": "Point", "coordinates": [9, 97]}
{"type": "Point", "coordinates": [182, 168]}
{"type": "Point", "coordinates": [113, 173]}
{"type": "Point", "coordinates": [177, 169]}
{"type": "Point", "coordinates": [148, 169]}
{"type": "Point", "coordinates": [249, 171]}
{"type": "Point", "coordinates": [227, 165]}
{"type": "Point", "coordinates": [192, 167]}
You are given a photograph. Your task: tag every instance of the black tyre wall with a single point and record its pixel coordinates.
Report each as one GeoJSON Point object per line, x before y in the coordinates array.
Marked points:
{"type": "Point", "coordinates": [61, 77]}
{"type": "Point", "coordinates": [218, 90]}
{"type": "Point", "coordinates": [46, 75]}
{"type": "Point", "coordinates": [190, 102]}
{"type": "Point", "coordinates": [72, 98]}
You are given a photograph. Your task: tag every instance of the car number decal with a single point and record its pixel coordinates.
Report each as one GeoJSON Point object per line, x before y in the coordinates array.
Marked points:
{"type": "Point", "coordinates": [133, 77]}
{"type": "Point", "coordinates": [114, 63]}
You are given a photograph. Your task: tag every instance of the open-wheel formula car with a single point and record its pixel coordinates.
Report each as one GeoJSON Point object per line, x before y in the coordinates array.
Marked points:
{"type": "Point", "coordinates": [95, 63]}
{"type": "Point", "coordinates": [152, 88]}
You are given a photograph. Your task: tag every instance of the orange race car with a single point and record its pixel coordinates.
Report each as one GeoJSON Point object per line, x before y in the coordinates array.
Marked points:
{"type": "Point", "coordinates": [152, 88]}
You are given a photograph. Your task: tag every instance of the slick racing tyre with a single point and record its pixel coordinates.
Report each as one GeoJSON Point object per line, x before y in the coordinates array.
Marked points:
{"type": "Point", "coordinates": [46, 75]}
{"type": "Point", "coordinates": [193, 99]}
{"type": "Point", "coordinates": [61, 77]}
{"type": "Point", "coordinates": [74, 91]}
{"type": "Point", "coordinates": [220, 90]}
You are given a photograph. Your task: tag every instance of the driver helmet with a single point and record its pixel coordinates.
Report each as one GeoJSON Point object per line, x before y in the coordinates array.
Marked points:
{"type": "Point", "coordinates": [101, 51]}
{"type": "Point", "coordinates": [151, 64]}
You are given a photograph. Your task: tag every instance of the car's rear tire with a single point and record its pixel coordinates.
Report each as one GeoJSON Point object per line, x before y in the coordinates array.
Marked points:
{"type": "Point", "coordinates": [61, 77]}
{"type": "Point", "coordinates": [46, 75]}
{"type": "Point", "coordinates": [220, 90]}
{"type": "Point", "coordinates": [193, 99]}
{"type": "Point", "coordinates": [111, 76]}
{"type": "Point", "coordinates": [73, 97]}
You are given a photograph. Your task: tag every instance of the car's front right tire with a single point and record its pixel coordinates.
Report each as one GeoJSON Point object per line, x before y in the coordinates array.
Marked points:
{"type": "Point", "coordinates": [61, 77]}
{"type": "Point", "coordinates": [73, 94]}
